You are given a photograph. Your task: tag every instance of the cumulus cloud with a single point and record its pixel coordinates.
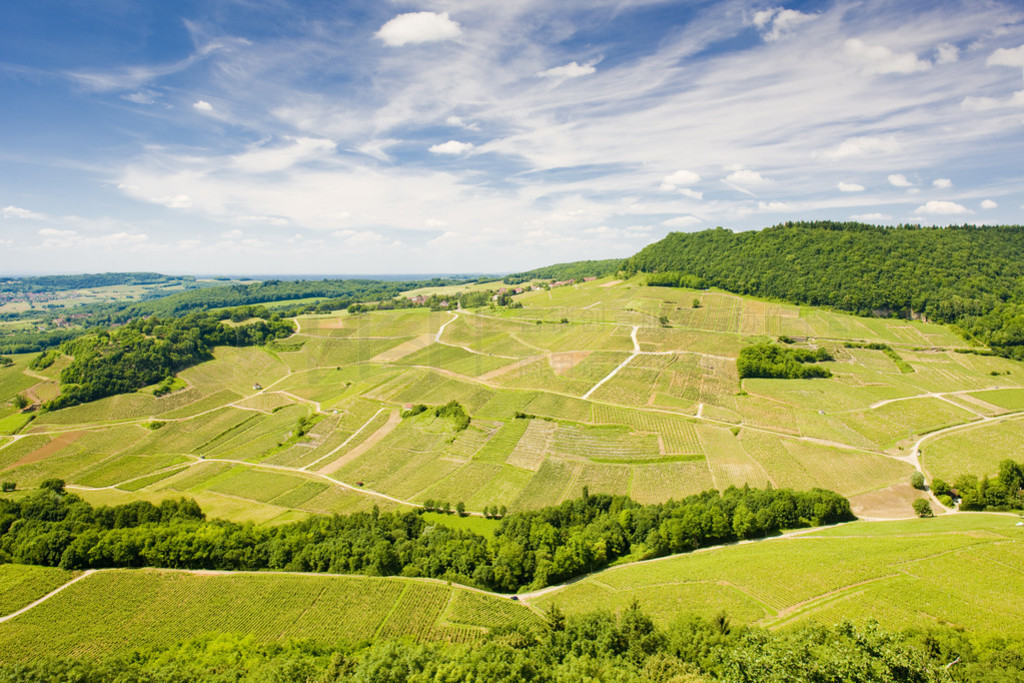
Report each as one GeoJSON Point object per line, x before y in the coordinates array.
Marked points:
{"type": "Point", "coordinates": [1007, 57]}
{"type": "Point", "coordinates": [942, 183]}
{"type": "Point", "coordinates": [947, 53]}
{"type": "Point", "coordinates": [878, 59]}
{"type": "Point", "coordinates": [776, 22]}
{"type": "Point", "coordinates": [871, 217]}
{"type": "Point", "coordinates": [988, 204]}
{"type": "Point", "coordinates": [849, 187]}
{"type": "Point", "coordinates": [863, 146]}
{"type": "Point", "coordinates": [680, 179]}
{"type": "Point", "coordinates": [744, 177]}
{"type": "Point", "coordinates": [18, 212]}
{"type": "Point", "coordinates": [989, 103]}
{"type": "Point", "coordinates": [940, 207]}
{"type": "Point", "coordinates": [899, 180]}
{"type": "Point", "coordinates": [453, 147]}
{"type": "Point", "coordinates": [202, 105]}
{"type": "Point", "coordinates": [570, 70]}
{"type": "Point", "coordinates": [418, 27]}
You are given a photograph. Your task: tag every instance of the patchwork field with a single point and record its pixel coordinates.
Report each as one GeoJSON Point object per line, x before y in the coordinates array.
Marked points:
{"type": "Point", "coordinates": [612, 386]}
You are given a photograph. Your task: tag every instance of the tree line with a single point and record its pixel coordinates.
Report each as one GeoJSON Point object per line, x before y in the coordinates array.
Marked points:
{"type": "Point", "coordinates": [576, 270]}
{"type": "Point", "coordinates": [968, 276]}
{"type": "Point", "coordinates": [623, 647]}
{"type": "Point", "coordinates": [532, 549]}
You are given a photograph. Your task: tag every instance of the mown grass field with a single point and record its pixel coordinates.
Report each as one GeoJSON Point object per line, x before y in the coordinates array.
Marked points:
{"type": "Point", "coordinates": [959, 570]}
{"type": "Point", "coordinates": [664, 417]}
{"type": "Point", "coordinates": [123, 610]}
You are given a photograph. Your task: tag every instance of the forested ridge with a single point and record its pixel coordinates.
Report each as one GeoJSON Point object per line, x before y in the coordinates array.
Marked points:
{"type": "Point", "coordinates": [597, 646]}
{"type": "Point", "coordinates": [530, 549]}
{"type": "Point", "coordinates": [969, 276]}
{"type": "Point", "coordinates": [575, 270]}
{"type": "Point", "coordinates": [149, 350]}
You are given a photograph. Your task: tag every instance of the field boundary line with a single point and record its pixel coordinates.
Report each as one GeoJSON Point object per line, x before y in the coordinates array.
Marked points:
{"type": "Point", "coordinates": [88, 572]}
{"type": "Point", "coordinates": [346, 442]}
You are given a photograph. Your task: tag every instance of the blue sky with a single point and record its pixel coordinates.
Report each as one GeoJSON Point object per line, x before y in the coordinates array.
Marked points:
{"type": "Point", "coordinates": [260, 137]}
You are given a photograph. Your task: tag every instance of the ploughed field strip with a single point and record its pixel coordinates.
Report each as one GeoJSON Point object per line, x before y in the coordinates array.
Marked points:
{"type": "Point", "coordinates": [955, 570]}
{"type": "Point", "coordinates": [314, 424]}
{"type": "Point", "coordinates": [118, 611]}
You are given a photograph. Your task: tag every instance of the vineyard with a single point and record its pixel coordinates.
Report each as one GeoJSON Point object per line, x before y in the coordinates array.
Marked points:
{"type": "Point", "coordinates": [118, 611]}
{"type": "Point", "coordinates": [890, 571]}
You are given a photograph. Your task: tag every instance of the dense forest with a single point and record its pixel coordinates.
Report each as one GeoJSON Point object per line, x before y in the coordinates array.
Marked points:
{"type": "Point", "coordinates": [149, 350]}
{"type": "Point", "coordinates": [576, 270]}
{"type": "Point", "coordinates": [530, 549]}
{"type": "Point", "coordinates": [972, 277]}
{"type": "Point", "coordinates": [597, 646]}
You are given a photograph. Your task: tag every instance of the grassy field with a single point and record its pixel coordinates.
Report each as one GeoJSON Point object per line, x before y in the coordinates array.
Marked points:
{"type": "Point", "coordinates": [22, 584]}
{"type": "Point", "coordinates": [119, 611]}
{"type": "Point", "coordinates": [673, 419]}
{"type": "Point", "coordinates": [954, 570]}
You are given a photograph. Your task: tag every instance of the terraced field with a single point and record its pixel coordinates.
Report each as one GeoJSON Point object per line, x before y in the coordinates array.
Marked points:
{"type": "Point", "coordinates": [665, 413]}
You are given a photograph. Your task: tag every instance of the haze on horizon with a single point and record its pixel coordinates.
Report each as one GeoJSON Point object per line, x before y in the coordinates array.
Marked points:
{"type": "Point", "coordinates": [465, 136]}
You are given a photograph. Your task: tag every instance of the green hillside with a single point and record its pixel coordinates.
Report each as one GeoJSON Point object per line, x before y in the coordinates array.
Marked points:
{"type": "Point", "coordinates": [968, 275]}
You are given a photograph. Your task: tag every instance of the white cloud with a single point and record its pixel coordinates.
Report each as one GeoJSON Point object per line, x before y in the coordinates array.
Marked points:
{"type": "Point", "coordinates": [141, 97]}
{"type": "Point", "coordinates": [871, 217]}
{"type": "Point", "coordinates": [941, 208]}
{"type": "Point", "coordinates": [947, 53]}
{"type": "Point", "coordinates": [744, 177]}
{"type": "Point", "coordinates": [776, 22]}
{"type": "Point", "coordinates": [1007, 57]}
{"type": "Point", "coordinates": [772, 206]}
{"type": "Point", "coordinates": [570, 70]}
{"type": "Point", "coordinates": [418, 27]}
{"type": "Point", "coordinates": [942, 183]}
{"type": "Point", "coordinates": [175, 201]}
{"type": "Point", "coordinates": [202, 105]}
{"type": "Point", "coordinates": [682, 222]}
{"type": "Point", "coordinates": [680, 179]}
{"type": "Point", "coordinates": [692, 194]}
{"type": "Point", "coordinates": [899, 180]}
{"type": "Point", "coordinates": [18, 212]}
{"type": "Point", "coordinates": [453, 147]}
{"type": "Point", "coordinates": [459, 123]}
{"type": "Point", "coordinates": [435, 223]}
{"type": "Point", "coordinates": [990, 103]}
{"type": "Point", "coordinates": [878, 59]}
{"type": "Point", "coordinates": [54, 232]}
{"type": "Point", "coordinates": [262, 159]}
{"type": "Point", "coordinates": [850, 187]}
{"type": "Point", "coordinates": [988, 204]}
{"type": "Point", "coordinates": [864, 146]}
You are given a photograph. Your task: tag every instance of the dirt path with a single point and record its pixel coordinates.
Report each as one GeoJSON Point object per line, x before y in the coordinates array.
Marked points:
{"type": "Point", "coordinates": [46, 597]}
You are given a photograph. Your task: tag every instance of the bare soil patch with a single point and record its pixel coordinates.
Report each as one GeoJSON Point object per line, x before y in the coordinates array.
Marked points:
{"type": "Point", "coordinates": [44, 452]}
{"type": "Point", "coordinates": [393, 420]}
{"type": "Point", "coordinates": [563, 362]}
{"type": "Point", "coordinates": [892, 502]}
{"type": "Point", "coordinates": [404, 349]}
{"type": "Point", "coordinates": [611, 284]}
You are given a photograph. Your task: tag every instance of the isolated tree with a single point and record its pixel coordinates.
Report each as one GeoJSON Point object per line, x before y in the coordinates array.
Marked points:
{"type": "Point", "coordinates": [55, 485]}
{"type": "Point", "coordinates": [696, 302]}
{"type": "Point", "coordinates": [460, 508]}
{"type": "Point", "coordinates": [8, 486]}
{"type": "Point", "coordinates": [917, 480]}
{"type": "Point", "coordinates": [922, 508]}
{"type": "Point", "coordinates": [502, 511]}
